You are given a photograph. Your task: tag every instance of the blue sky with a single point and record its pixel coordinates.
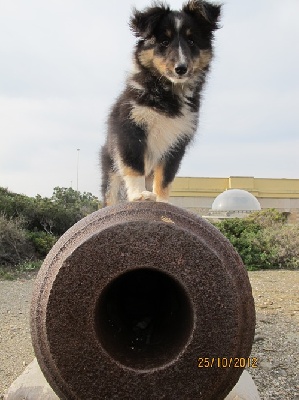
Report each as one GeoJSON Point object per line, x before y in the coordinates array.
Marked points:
{"type": "Point", "coordinates": [64, 62]}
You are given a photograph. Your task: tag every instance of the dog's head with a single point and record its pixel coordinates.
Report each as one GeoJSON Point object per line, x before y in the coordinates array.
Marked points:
{"type": "Point", "coordinates": [176, 44]}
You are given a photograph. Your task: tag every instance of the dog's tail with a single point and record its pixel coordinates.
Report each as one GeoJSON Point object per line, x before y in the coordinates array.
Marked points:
{"type": "Point", "coordinates": [112, 183]}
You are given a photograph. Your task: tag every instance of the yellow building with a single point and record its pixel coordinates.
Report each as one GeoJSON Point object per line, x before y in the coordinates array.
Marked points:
{"type": "Point", "coordinates": [198, 194]}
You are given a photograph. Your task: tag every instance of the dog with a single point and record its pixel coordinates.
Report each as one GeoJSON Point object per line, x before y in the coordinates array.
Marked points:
{"type": "Point", "coordinates": [156, 116]}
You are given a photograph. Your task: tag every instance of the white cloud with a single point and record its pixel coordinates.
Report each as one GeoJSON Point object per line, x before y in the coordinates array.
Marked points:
{"type": "Point", "coordinates": [64, 62]}
{"type": "Point", "coordinates": [41, 139]}
{"type": "Point", "coordinates": [235, 159]}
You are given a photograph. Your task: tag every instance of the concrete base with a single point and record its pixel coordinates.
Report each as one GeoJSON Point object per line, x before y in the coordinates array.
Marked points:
{"type": "Point", "coordinates": [245, 389]}
{"type": "Point", "coordinates": [32, 385]}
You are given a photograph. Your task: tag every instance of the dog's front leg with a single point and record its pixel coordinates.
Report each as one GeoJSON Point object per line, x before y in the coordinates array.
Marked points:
{"type": "Point", "coordinates": [135, 184]}
{"type": "Point", "coordinates": [166, 170]}
{"type": "Point", "coordinates": [161, 187]}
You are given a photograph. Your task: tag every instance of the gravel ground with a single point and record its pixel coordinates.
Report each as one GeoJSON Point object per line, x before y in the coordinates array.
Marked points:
{"type": "Point", "coordinates": [276, 343]}
{"type": "Point", "coordinates": [15, 343]}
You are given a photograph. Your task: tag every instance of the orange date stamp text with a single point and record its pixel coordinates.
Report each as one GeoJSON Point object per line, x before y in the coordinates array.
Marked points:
{"type": "Point", "coordinates": [227, 362]}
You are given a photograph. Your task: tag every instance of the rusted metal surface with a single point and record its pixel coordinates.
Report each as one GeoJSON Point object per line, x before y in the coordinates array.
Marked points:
{"type": "Point", "coordinates": [130, 300]}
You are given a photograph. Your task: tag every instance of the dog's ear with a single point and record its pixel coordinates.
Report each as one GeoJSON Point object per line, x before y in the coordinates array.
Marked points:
{"type": "Point", "coordinates": [208, 14]}
{"type": "Point", "coordinates": [143, 23]}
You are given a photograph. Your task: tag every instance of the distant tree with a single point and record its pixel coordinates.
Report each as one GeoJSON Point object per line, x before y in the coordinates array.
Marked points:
{"type": "Point", "coordinates": [29, 226]}
{"type": "Point", "coordinates": [68, 207]}
{"type": "Point", "coordinates": [15, 205]}
{"type": "Point", "coordinates": [52, 215]}
{"type": "Point", "coordinates": [85, 202]}
{"type": "Point", "coordinates": [45, 216]}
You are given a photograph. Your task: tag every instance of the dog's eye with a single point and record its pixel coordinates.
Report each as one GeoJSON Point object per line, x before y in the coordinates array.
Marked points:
{"type": "Point", "coordinates": [191, 42]}
{"type": "Point", "coordinates": [165, 43]}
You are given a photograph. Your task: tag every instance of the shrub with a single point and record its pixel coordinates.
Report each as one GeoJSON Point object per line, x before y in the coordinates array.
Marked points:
{"type": "Point", "coordinates": [14, 244]}
{"type": "Point", "coordinates": [263, 239]}
{"type": "Point", "coordinates": [42, 242]}
{"type": "Point", "coordinates": [284, 242]}
{"type": "Point", "coordinates": [243, 234]}
{"type": "Point", "coordinates": [267, 218]}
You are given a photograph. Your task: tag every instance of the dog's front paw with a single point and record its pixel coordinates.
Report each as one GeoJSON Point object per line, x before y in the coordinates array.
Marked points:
{"type": "Point", "coordinates": [144, 196]}
{"type": "Point", "coordinates": [162, 200]}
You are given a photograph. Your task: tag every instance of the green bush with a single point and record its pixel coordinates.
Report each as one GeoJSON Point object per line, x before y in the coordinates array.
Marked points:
{"type": "Point", "coordinates": [263, 240]}
{"type": "Point", "coordinates": [242, 233]}
{"type": "Point", "coordinates": [42, 242]}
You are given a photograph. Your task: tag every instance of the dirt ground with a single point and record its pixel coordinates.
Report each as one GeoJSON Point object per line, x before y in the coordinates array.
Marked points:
{"type": "Point", "coordinates": [276, 345]}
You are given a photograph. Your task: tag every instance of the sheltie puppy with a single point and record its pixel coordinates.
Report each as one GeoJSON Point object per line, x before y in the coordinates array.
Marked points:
{"type": "Point", "coordinates": [156, 116]}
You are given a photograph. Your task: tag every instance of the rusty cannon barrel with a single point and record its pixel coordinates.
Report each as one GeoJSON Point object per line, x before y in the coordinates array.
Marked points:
{"type": "Point", "coordinates": [142, 301]}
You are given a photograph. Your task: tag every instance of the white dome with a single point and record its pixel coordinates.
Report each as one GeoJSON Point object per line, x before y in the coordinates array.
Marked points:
{"type": "Point", "coordinates": [235, 200]}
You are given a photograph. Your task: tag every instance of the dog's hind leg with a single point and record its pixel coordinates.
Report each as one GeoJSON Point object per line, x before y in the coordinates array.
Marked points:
{"type": "Point", "coordinates": [112, 195]}
{"type": "Point", "coordinates": [111, 181]}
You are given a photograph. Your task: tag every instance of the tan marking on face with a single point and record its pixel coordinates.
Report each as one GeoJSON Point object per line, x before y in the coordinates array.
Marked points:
{"type": "Point", "coordinates": [161, 192]}
{"type": "Point", "coordinates": [203, 60]}
{"type": "Point", "coordinates": [146, 57]}
{"type": "Point", "coordinates": [160, 65]}
{"type": "Point", "coordinates": [188, 32]}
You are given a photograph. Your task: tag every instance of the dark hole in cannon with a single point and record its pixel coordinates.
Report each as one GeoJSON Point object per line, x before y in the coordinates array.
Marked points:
{"type": "Point", "coordinates": [144, 319]}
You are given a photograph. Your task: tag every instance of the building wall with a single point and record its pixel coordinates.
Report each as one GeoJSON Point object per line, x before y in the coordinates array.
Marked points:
{"type": "Point", "coordinates": [198, 194]}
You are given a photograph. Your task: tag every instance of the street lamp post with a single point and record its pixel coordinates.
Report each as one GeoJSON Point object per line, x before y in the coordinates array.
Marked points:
{"type": "Point", "coordinates": [78, 151]}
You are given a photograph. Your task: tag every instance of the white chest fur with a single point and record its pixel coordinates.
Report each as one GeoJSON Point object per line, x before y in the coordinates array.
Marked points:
{"type": "Point", "coordinates": [163, 132]}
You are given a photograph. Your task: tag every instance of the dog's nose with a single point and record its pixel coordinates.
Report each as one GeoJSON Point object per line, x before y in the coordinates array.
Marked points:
{"type": "Point", "coordinates": [181, 69]}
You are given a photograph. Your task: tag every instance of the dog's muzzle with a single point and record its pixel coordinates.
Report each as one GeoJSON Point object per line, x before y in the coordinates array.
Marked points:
{"type": "Point", "coordinates": [181, 69]}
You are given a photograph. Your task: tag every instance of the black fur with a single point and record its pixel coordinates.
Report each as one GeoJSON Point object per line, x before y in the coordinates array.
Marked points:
{"type": "Point", "coordinates": [156, 116]}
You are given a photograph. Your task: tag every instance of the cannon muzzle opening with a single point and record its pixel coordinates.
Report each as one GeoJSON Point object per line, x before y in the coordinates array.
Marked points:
{"type": "Point", "coordinates": [144, 318]}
